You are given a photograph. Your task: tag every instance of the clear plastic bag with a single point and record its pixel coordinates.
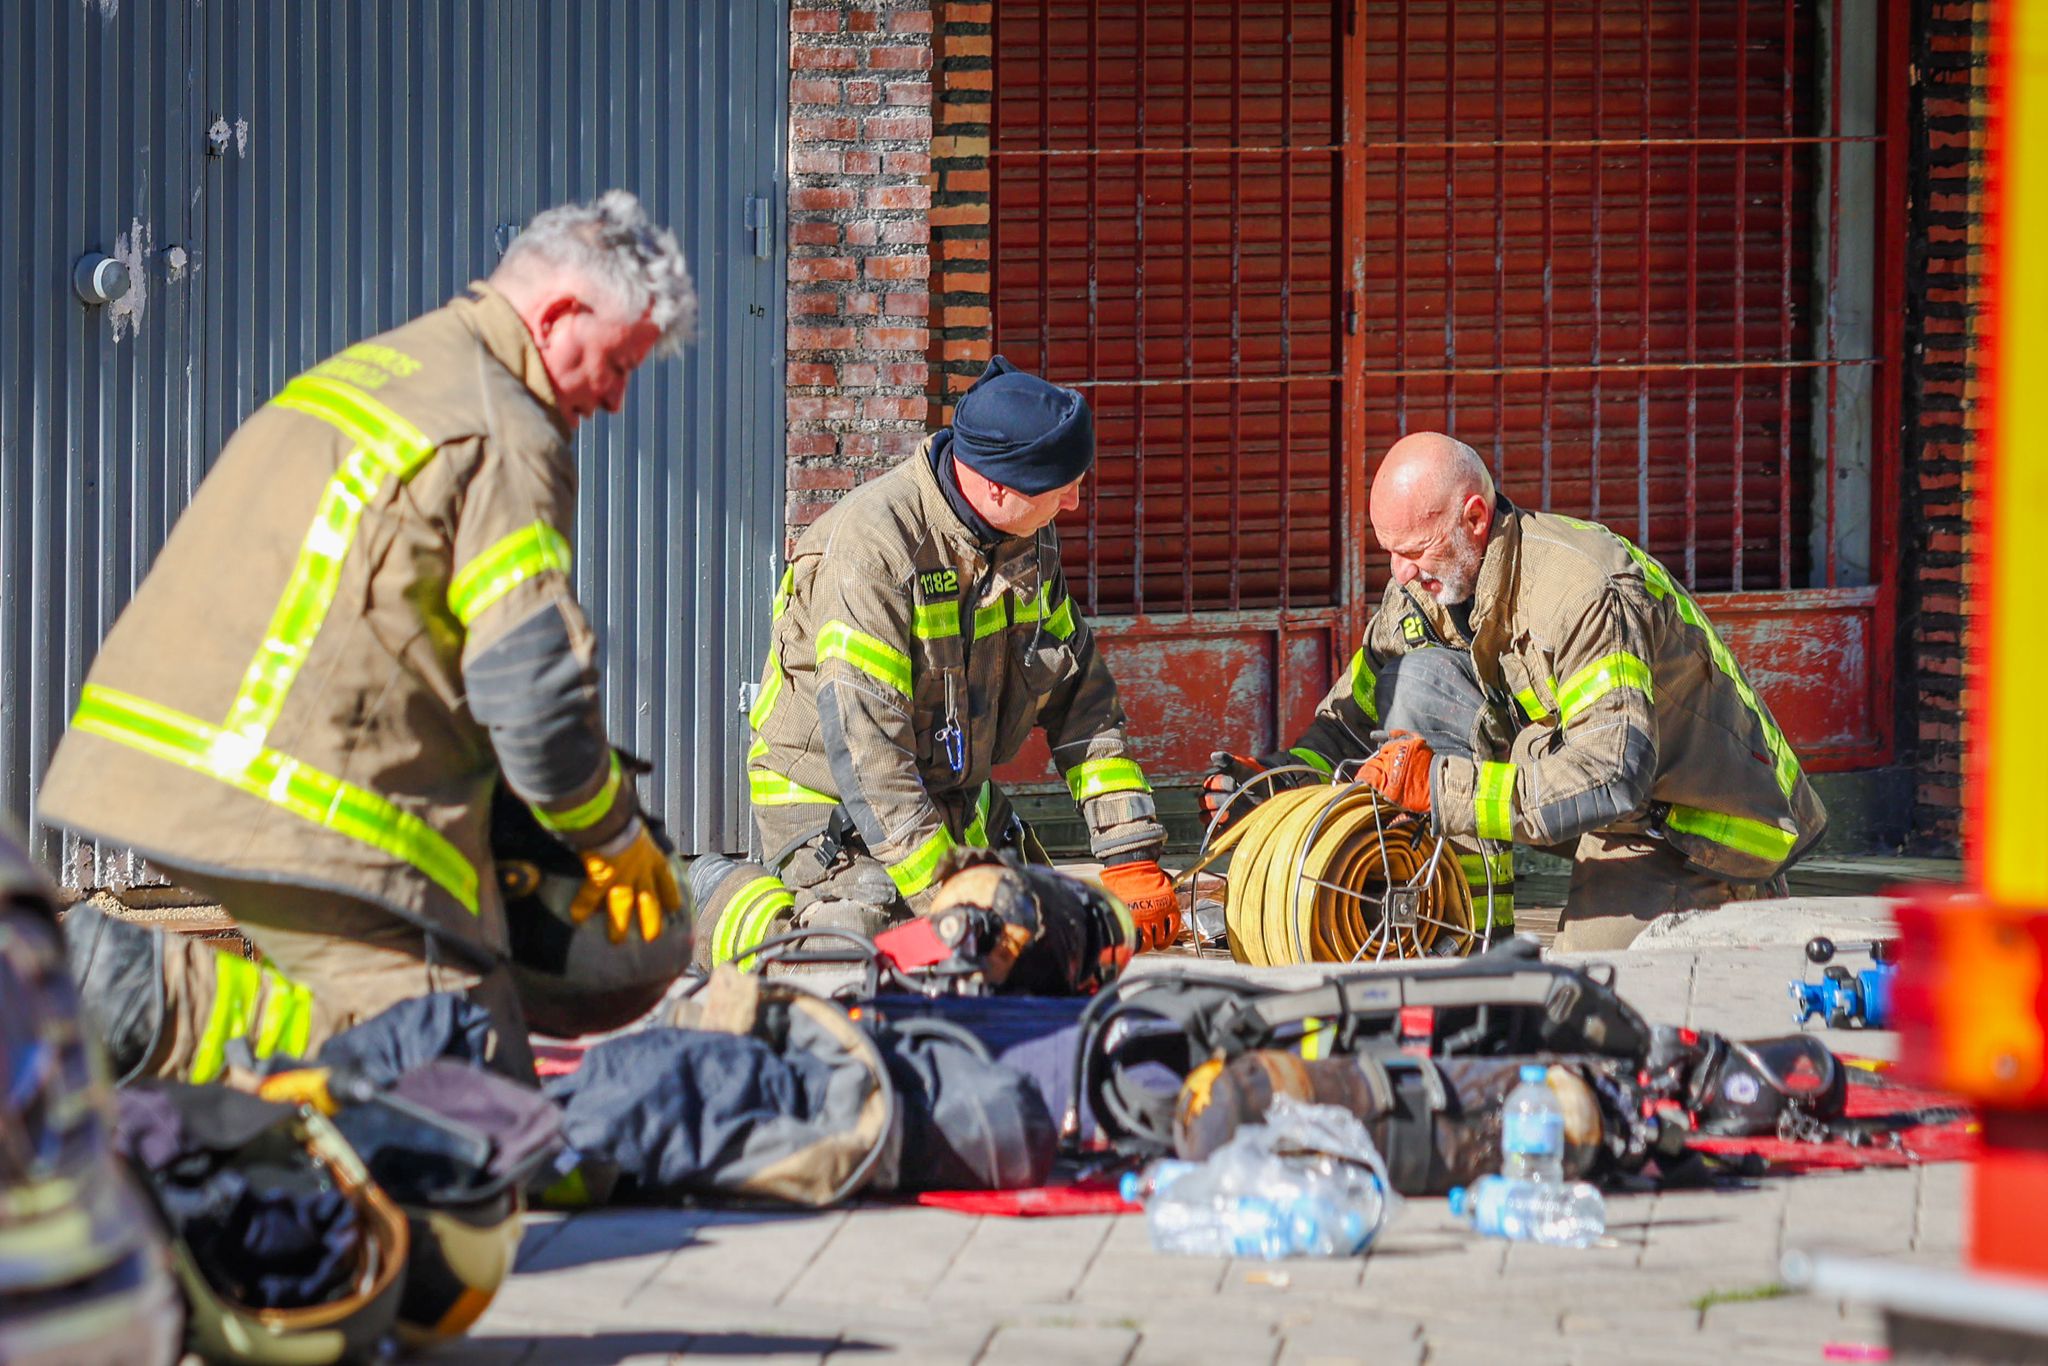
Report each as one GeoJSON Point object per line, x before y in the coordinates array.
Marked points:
{"type": "Point", "coordinates": [1306, 1183]}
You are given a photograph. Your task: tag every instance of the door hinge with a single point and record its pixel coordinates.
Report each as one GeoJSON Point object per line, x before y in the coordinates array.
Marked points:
{"type": "Point", "coordinates": [749, 691]}
{"type": "Point", "coordinates": [1351, 312]}
{"type": "Point", "coordinates": [760, 220]}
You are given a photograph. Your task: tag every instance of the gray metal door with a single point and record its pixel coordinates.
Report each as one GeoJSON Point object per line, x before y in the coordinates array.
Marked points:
{"type": "Point", "coordinates": [284, 179]}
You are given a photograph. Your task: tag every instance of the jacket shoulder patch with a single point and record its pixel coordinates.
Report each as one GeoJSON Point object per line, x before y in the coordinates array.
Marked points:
{"type": "Point", "coordinates": [939, 583]}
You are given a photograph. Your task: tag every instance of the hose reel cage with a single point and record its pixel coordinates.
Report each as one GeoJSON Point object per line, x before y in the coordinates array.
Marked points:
{"type": "Point", "coordinates": [1330, 872]}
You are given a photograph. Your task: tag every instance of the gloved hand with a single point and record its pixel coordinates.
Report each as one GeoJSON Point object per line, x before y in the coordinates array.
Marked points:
{"type": "Point", "coordinates": [628, 877]}
{"type": "Point", "coordinates": [1399, 771]}
{"type": "Point", "coordinates": [1147, 892]}
{"type": "Point", "coordinates": [1227, 773]}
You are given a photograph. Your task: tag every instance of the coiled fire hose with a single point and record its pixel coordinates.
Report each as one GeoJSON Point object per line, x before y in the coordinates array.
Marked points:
{"type": "Point", "coordinates": [1334, 874]}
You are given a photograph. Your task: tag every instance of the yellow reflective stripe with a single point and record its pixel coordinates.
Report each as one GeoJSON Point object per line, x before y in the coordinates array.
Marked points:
{"type": "Point", "coordinates": [1363, 685]}
{"type": "Point", "coordinates": [1755, 838]}
{"type": "Point", "coordinates": [1313, 760]}
{"type": "Point", "coordinates": [1060, 621]}
{"type": "Point", "coordinates": [397, 445]}
{"type": "Point", "coordinates": [286, 1025]}
{"type": "Point", "coordinates": [1030, 607]}
{"type": "Point", "coordinates": [306, 792]}
{"type": "Point", "coordinates": [880, 661]}
{"type": "Point", "coordinates": [526, 554]}
{"type": "Point", "coordinates": [771, 688]}
{"type": "Point", "coordinates": [745, 923]}
{"type": "Point", "coordinates": [991, 618]}
{"type": "Point", "coordinates": [236, 984]}
{"type": "Point", "coordinates": [1658, 580]}
{"type": "Point", "coordinates": [936, 620]}
{"type": "Point", "coordinates": [1099, 777]}
{"type": "Point", "coordinates": [1317, 1038]}
{"type": "Point", "coordinates": [772, 789]}
{"type": "Point", "coordinates": [977, 825]}
{"type": "Point", "coordinates": [757, 749]}
{"type": "Point", "coordinates": [385, 444]}
{"type": "Point", "coordinates": [585, 814]}
{"type": "Point", "coordinates": [1493, 801]}
{"type": "Point", "coordinates": [1477, 866]}
{"type": "Point", "coordinates": [782, 593]}
{"type": "Point", "coordinates": [309, 592]}
{"type": "Point", "coordinates": [1601, 677]}
{"type": "Point", "coordinates": [249, 997]}
{"type": "Point", "coordinates": [1531, 704]}
{"type": "Point", "coordinates": [915, 872]}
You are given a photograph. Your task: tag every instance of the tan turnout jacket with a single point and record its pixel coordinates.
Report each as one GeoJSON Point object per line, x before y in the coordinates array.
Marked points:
{"type": "Point", "coordinates": [1632, 714]}
{"type": "Point", "coordinates": [286, 698]}
{"type": "Point", "coordinates": [901, 645]}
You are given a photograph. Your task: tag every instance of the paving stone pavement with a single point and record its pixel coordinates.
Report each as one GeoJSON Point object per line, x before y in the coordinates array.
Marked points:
{"type": "Point", "coordinates": [1684, 1276]}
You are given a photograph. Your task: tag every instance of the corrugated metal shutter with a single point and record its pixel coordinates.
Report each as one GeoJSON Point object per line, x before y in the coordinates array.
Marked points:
{"type": "Point", "coordinates": [1167, 236]}
{"type": "Point", "coordinates": [289, 178]}
{"type": "Point", "coordinates": [1623, 333]}
{"type": "Point", "coordinates": [1637, 253]}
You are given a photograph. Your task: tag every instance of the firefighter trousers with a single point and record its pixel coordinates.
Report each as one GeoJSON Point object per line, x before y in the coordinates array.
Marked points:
{"type": "Point", "coordinates": [329, 962]}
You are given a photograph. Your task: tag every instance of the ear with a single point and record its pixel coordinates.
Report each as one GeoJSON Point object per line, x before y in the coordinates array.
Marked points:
{"type": "Point", "coordinates": [553, 313]}
{"type": "Point", "coordinates": [1478, 513]}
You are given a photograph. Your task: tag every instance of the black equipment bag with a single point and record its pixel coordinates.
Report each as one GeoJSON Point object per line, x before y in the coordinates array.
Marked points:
{"type": "Point", "coordinates": [1141, 1038]}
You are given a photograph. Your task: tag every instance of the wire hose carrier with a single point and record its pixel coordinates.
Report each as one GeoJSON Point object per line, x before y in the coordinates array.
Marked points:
{"type": "Point", "coordinates": [1335, 874]}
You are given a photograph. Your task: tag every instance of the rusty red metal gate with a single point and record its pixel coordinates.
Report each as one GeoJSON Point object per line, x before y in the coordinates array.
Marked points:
{"type": "Point", "coordinates": [1604, 243]}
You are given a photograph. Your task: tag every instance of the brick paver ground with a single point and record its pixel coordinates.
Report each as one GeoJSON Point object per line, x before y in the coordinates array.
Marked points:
{"type": "Point", "coordinates": [1687, 1276]}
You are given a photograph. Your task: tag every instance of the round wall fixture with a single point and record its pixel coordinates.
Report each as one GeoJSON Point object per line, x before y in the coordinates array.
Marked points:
{"type": "Point", "coordinates": [99, 279]}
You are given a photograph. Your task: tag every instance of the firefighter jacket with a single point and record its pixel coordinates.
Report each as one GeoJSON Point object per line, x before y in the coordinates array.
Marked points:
{"type": "Point", "coordinates": [908, 659]}
{"type": "Point", "coordinates": [1625, 709]}
{"type": "Point", "coordinates": [364, 615]}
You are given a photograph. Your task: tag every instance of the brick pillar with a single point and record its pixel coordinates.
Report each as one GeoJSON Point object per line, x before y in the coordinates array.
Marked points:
{"type": "Point", "coordinates": [964, 78]}
{"type": "Point", "coordinates": [860, 131]}
{"type": "Point", "coordinates": [1944, 401]}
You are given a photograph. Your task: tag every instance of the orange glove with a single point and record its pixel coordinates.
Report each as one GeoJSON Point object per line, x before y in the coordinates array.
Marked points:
{"type": "Point", "coordinates": [630, 877]}
{"type": "Point", "coordinates": [1147, 892]}
{"type": "Point", "coordinates": [1399, 771]}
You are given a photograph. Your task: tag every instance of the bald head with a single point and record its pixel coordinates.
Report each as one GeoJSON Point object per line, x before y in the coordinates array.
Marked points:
{"type": "Point", "coordinates": [1432, 510]}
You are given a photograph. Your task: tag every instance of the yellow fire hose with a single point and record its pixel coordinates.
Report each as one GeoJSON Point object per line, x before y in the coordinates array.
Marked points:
{"type": "Point", "coordinates": [1334, 874]}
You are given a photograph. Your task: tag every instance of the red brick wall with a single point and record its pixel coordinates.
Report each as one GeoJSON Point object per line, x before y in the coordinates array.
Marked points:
{"type": "Point", "coordinates": [860, 190]}
{"type": "Point", "coordinates": [1944, 264]}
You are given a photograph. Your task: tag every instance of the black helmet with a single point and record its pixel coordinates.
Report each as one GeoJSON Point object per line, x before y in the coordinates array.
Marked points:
{"type": "Point", "coordinates": [572, 979]}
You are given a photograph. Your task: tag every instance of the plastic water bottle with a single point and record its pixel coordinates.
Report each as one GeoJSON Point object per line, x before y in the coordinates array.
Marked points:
{"type": "Point", "coordinates": [1138, 1188]}
{"type": "Point", "coordinates": [1553, 1212]}
{"type": "Point", "coordinates": [1532, 1129]}
{"type": "Point", "coordinates": [1252, 1226]}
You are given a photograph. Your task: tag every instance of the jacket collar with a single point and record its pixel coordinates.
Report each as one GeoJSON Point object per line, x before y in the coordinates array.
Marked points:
{"type": "Point", "coordinates": [1499, 575]}
{"type": "Point", "coordinates": [940, 517]}
{"type": "Point", "coordinates": [503, 332]}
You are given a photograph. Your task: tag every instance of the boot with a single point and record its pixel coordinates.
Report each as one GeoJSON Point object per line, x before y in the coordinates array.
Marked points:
{"type": "Point", "coordinates": [118, 968]}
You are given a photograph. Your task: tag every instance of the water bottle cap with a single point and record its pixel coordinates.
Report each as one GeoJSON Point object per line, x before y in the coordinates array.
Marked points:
{"type": "Point", "coordinates": [1458, 1197]}
{"type": "Point", "coordinates": [1535, 1071]}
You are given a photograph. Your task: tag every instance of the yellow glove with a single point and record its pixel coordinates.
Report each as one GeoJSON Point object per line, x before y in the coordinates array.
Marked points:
{"type": "Point", "coordinates": [629, 876]}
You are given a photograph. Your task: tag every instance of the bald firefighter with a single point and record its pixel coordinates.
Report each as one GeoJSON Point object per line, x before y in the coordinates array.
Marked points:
{"type": "Point", "coordinates": [362, 621]}
{"type": "Point", "coordinates": [923, 629]}
{"type": "Point", "coordinates": [1547, 683]}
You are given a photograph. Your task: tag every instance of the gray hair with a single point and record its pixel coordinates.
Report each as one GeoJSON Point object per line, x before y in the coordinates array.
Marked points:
{"type": "Point", "coordinates": [611, 244]}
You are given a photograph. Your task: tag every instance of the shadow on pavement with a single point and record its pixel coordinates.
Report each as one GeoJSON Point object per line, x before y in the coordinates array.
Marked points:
{"type": "Point", "coordinates": [604, 1349]}
{"type": "Point", "coordinates": [608, 1235]}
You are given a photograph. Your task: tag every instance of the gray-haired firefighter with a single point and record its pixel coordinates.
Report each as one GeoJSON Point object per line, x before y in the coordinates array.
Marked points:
{"type": "Point", "coordinates": [1558, 689]}
{"type": "Point", "coordinates": [923, 628]}
{"type": "Point", "coordinates": [362, 620]}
